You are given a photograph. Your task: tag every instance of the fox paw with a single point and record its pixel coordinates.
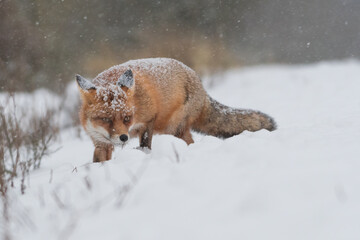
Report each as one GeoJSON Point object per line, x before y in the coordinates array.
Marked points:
{"type": "Point", "coordinates": [143, 149]}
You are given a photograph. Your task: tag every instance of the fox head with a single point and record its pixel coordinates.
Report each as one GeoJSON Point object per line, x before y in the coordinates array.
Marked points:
{"type": "Point", "coordinates": [107, 110]}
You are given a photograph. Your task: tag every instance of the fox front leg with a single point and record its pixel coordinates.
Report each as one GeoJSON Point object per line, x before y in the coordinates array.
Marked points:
{"type": "Point", "coordinates": [145, 140]}
{"type": "Point", "coordinates": [103, 153]}
{"type": "Point", "coordinates": [146, 136]}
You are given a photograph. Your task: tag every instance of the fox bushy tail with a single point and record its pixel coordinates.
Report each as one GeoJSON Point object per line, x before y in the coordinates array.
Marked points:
{"type": "Point", "coordinates": [219, 120]}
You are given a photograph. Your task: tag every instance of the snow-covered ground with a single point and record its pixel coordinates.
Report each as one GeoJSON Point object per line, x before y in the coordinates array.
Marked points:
{"type": "Point", "coordinates": [299, 182]}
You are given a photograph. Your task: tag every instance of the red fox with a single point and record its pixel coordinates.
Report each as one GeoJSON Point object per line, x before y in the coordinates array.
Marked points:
{"type": "Point", "coordinates": [156, 96]}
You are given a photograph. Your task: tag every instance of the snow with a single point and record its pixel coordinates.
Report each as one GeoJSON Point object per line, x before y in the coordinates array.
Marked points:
{"type": "Point", "coordinates": [162, 68]}
{"type": "Point", "coordinates": [27, 105]}
{"type": "Point", "coordinates": [298, 182]}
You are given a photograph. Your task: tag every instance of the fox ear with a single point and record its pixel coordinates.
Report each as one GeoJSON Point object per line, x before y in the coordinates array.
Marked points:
{"type": "Point", "coordinates": [126, 79]}
{"type": "Point", "coordinates": [84, 83]}
{"type": "Point", "coordinates": [86, 89]}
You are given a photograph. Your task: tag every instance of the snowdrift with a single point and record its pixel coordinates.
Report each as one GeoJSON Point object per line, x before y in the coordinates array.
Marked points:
{"type": "Point", "coordinates": [298, 182]}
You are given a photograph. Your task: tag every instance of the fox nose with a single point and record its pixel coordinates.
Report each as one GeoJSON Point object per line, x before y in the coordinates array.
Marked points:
{"type": "Point", "coordinates": [124, 138]}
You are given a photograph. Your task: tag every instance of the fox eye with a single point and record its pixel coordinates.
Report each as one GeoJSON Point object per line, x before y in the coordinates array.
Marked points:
{"type": "Point", "coordinates": [106, 120]}
{"type": "Point", "coordinates": [127, 119]}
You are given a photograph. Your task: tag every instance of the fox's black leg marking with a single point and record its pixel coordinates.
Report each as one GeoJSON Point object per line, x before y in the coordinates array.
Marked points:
{"type": "Point", "coordinates": [146, 136]}
{"type": "Point", "coordinates": [145, 140]}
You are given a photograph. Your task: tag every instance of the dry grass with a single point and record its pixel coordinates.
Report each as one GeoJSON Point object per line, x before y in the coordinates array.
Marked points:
{"type": "Point", "coordinates": [205, 56]}
{"type": "Point", "coordinates": [22, 148]}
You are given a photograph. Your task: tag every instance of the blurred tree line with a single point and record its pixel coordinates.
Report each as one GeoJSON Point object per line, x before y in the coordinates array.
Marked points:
{"type": "Point", "coordinates": [43, 43]}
